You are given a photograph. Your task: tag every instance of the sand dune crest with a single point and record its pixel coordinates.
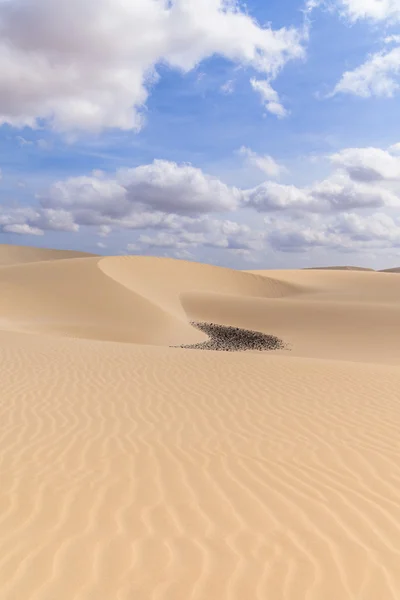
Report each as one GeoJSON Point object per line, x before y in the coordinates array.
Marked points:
{"type": "Point", "coordinates": [15, 255]}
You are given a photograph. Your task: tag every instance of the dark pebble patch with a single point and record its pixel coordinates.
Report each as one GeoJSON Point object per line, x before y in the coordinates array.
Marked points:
{"type": "Point", "coordinates": [234, 339]}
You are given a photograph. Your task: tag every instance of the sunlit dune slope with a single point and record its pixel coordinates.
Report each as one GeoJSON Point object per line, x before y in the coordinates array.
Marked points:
{"type": "Point", "coordinates": [345, 315]}
{"type": "Point", "coordinates": [121, 299]}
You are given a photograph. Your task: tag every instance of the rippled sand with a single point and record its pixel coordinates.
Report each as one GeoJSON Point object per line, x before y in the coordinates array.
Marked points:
{"type": "Point", "coordinates": [133, 470]}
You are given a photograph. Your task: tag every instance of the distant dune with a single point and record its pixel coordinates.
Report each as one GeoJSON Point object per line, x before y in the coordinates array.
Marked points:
{"type": "Point", "coordinates": [393, 270]}
{"type": "Point", "coordinates": [14, 255]}
{"type": "Point", "coordinates": [132, 468]}
{"type": "Point", "coordinates": [346, 268]}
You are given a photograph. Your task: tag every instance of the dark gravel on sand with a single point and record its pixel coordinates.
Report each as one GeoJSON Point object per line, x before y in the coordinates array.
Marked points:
{"type": "Point", "coordinates": [234, 339]}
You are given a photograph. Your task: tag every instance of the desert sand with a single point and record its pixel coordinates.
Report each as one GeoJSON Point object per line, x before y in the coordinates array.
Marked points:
{"type": "Point", "coordinates": [134, 469]}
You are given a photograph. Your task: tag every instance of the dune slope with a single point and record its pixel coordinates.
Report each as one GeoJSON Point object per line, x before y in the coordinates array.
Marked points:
{"type": "Point", "coordinates": [393, 270]}
{"type": "Point", "coordinates": [340, 268]}
{"type": "Point", "coordinates": [15, 255]}
{"type": "Point", "coordinates": [75, 298]}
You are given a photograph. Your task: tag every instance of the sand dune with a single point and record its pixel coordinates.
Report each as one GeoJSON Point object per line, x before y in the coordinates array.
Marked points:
{"type": "Point", "coordinates": [393, 270]}
{"type": "Point", "coordinates": [75, 298]}
{"type": "Point", "coordinates": [15, 255]}
{"type": "Point", "coordinates": [130, 469]}
{"type": "Point", "coordinates": [339, 268]}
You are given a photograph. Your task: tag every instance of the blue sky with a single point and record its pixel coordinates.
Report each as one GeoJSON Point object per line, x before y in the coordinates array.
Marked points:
{"type": "Point", "coordinates": [331, 197]}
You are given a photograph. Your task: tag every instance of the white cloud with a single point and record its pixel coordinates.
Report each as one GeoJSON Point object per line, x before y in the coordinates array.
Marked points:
{"type": "Point", "coordinates": [23, 229]}
{"type": "Point", "coordinates": [35, 221]}
{"type": "Point", "coordinates": [311, 5]}
{"type": "Point", "coordinates": [354, 10]}
{"type": "Point", "coordinates": [392, 39]}
{"type": "Point", "coordinates": [336, 193]}
{"type": "Point", "coordinates": [376, 10]}
{"type": "Point", "coordinates": [163, 240]}
{"type": "Point", "coordinates": [377, 76]}
{"type": "Point", "coordinates": [205, 232]}
{"type": "Point", "coordinates": [341, 193]}
{"type": "Point", "coordinates": [269, 97]}
{"type": "Point", "coordinates": [271, 196]}
{"type": "Point", "coordinates": [394, 148]}
{"type": "Point", "coordinates": [378, 227]}
{"type": "Point", "coordinates": [105, 197]}
{"type": "Point", "coordinates": [89, 64]}
{"type": "Point", "coordinates": [368, 164]}
{"type": "Point", "coordinates": [347, 232]}
{"type": "Point", "coordinates": [179, 189]}
{"type": "Point", "coordinates": [161, 186]}
{"type": "Point", "coordinates": [299, 236]}
{"type": "Point", "coordinates": [166, 197]}
{"type": "Point", "coordinates": [172, 206]}
{"type": "Point", "coordinates": [55, 220]}
{"type": "Point", "coordinates": [265, 163]}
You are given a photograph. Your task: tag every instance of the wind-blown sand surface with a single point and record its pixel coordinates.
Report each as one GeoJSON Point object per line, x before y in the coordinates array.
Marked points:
{"type": "Point", "coordinates": [133, 470]}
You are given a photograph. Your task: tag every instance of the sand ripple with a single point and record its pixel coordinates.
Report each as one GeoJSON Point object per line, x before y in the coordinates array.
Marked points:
{"type": "Point", "coordinates": [168, 475]}
{"type": "Point", "coordinates": [131, 470]}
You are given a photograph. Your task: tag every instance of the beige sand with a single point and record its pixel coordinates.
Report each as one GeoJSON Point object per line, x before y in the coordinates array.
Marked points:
{"type": "Point", "coordinates": [15, 255]}
{"type": "Point", "coordinates": [135, 471]}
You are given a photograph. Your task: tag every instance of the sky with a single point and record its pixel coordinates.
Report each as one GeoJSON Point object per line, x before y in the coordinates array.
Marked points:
{"type": "Point", "coordinates": [249, 135]}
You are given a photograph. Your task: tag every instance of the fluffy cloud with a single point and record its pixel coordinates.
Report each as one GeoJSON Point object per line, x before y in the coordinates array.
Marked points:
{"type": "Point", "coordinates": [341, 193]}
{"type": "Point", "coordinates": [205, 232]}
{"type": "Point", "coordinates": [35, 221]}
{"type": "Point", "coordinates": [377, 76]}
{"type": "Point", "coordinates": [392, 39]}
{"type": "Point", "coordinates": [376, 10]}
{"type": "Point", "coordinates": [183, 189]}
{"type": "Point", "coordinates": [269, 97]}
{"type": "Point", "coordinates": [162, 186]}
{"type": "Point", "coordinates": [378, 228]}
{"type": "Point", "coordinates": [264, 163]}
{"type": "Point", "coordinates": [336, 193]}
{"type": "Point", "coordinates": [22, 229]}
{"type": "Point", "coordinates": [298, 236]}
{"type": "Point", "coordinates": [164, 195]}
{"type": "Point", "coordinates": [174, 208]}
{"type": "Point", "coordinates": [271, 196]}
{"type": "Point", "coordinates": [347, 232]}
{"type": "Point", "coordinates": [354, 10]}
{"type": "Point", "coordinates": [369, 164]}
{"type": "Point", "coordinates": [394, 148]}
{"type": "Point", "coordinates": [89, 64]}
